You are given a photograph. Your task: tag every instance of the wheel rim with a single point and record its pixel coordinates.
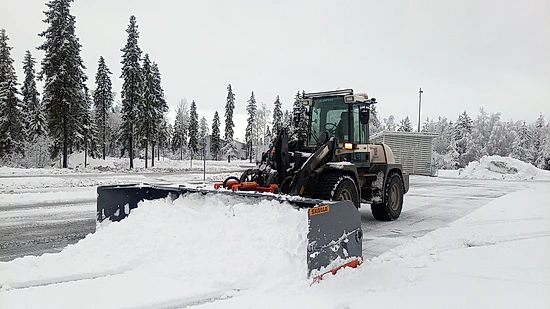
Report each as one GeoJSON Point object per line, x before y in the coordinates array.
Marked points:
{"type": "Point", "coordinates": [345, 195]}
{"type": "Point", "coordinates": [394, 197]}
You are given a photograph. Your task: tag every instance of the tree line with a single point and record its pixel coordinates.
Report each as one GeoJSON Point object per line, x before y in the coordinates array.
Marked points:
{"type": "Point", "coordinates": [69, 116]}
{"type": "Point", "coordinates": [464, 140]}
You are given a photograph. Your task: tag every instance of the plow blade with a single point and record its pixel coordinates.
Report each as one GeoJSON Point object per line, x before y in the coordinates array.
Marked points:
{"type": "Point", "coordinates": [334, 234]}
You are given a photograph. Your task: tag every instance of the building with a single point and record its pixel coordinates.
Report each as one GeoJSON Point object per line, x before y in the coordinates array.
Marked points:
{"type": "Point", "coordinates": [413, 150]}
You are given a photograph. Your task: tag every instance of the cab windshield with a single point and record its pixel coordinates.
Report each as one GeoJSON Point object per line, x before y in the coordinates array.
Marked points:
{"type": "Point", "coordinates": [331, 115]}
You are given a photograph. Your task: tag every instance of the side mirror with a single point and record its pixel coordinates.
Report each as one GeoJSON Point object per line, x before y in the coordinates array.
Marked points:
{"type": "Point", "coordinates": [306, 102]}
{"type": "Point", "coordinates": [364, 115]}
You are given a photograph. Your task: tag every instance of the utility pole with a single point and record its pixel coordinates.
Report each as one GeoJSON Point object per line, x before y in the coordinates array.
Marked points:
{"type": "Point", "coordinates": [419, 106]}
{"type": "Point", "coordinates": [204, 159]}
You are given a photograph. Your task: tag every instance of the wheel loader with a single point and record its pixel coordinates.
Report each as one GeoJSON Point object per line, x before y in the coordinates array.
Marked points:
{"type": "Point", "coordinates": [330, 170]}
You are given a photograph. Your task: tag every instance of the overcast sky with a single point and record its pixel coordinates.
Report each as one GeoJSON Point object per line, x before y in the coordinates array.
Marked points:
{"type": "Point", "coordinates": [464, 54]}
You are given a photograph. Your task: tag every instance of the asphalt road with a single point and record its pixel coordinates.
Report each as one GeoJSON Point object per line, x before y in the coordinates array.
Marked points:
{"type": "Point", "coordinates": [431, 203]}
{"type": "Point", "coordinates": [37, 227]}
{"type": "Point", "coordinates": [26, 230]}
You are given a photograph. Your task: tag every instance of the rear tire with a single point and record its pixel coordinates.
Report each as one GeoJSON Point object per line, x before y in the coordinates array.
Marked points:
{"type": "Point", "coordinates": [393, 200]}
{"type": "Point", "coordinates": [337, 187]}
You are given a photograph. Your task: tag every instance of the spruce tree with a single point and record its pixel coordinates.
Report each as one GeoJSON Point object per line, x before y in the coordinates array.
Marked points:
{"type": "Point", "coordinates": [463, 126]}
{"type": "Point", "coordinates": [462, 138]}
{"type": "Point", "coordinates": [89, 137]}
{"type": "Point", "coordinates": [32, 107]}
{"type": "Point", "coordinates": [299, 110]}
{"type": "Point", "coordinates": [545, 162]}
{"type": "Point", "coordinates": [193, 129]}
{"type": "Point", "coordinates": [132, 93]}
{"type": "Point", "coordinates": [146, 111]}
{"type": "Point", "coordinates": [277, 117]}
{"type": "Point", "coordinates": [539, 142]}
{"type": "Point", "coordinates": [215, 145]}
{"type": "Point", "coordinates": [229, 145]}
{"type": "Point", "coordinates": [11, 118]}
{"type": "Point", "coordinates": [374, 124]}
{"type": "Point", "coordinates": [115, 123]}
{"type": "Point", "coordinates": [268, 136]}
{"type": "Point", "coordinates": [251, 110]}
{"type": "Point", "coordinates": [180, 135]}
{"type": "Point", "coordinates": [522, 149]}
{"type": "Point", "coordinates": [164, 137]}
{"type": "Point", "coordinates": [287, 121]}
{"type": "Point", "coordinates": [203, 128]}
{"type": "Point", "coordinates": [261, 126]}
{"type": "Point", "coordinates": [62, 69]}
{"type": "Point", "coordinates": [229, 108]}
{"type": "Point", "coordinates": [481, 131]}
{"type": "Point", "coordinates": [405, 125]}
{"type": "Point", "coordinates": [203, 133]}
{"type": "Point", "coordinates": [428, 125]}
{"type": "Point", "coordinates": [390, 124]}
{"type": "Point", "coordinates": [160, 108]}
{"type": "Point", "coordinates": [103, 102]}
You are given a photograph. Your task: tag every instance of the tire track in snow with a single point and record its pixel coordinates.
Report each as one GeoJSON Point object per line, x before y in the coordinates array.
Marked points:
{"type": "Point", "coordinates": [26, 232]}
{"type": "Point", "coordinates": [198, 300]}
{"type": "Point", "coordinates": [67, 279]}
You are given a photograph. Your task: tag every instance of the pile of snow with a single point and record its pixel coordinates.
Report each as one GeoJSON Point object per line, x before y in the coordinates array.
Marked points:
{"type": "Point", "coordinates": [496, 167]}
{"type": "Point", "coordinates": [16, 171]}
{"type": "Point", "coordinates": [167, 251]}
{"type": "Point", "coordinates": [18, 184]}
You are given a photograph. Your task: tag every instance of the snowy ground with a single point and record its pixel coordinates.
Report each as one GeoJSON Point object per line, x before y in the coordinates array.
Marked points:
{"type": "Point", "coordinates": [43, 210]}
{"type": "Point", "coordinates": [462, 243]}
{"type": "Point", "coordinates": [121, 165]}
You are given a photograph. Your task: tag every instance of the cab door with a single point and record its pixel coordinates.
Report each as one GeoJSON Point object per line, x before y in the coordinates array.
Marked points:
{"type": "Point", "coordinates": [360, 137]}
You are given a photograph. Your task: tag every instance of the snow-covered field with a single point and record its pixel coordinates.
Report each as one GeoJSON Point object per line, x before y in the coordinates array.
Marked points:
{"type": "Point", "coordinates": [461, 242]}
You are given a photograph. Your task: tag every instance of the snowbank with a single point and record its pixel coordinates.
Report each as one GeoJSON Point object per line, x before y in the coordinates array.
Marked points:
{"type": "Point", "coordinates": [496, 167]}
{"type": "Point", "coordinates": [121, 165]}
{"type": "Point", "coordinates": [76, 161]}
{"type": "Point", "coordinates": [195, 246]}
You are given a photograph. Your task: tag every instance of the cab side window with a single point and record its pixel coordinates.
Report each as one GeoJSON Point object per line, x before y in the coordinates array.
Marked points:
{"type": "Point", "coordinates": [358, 128]}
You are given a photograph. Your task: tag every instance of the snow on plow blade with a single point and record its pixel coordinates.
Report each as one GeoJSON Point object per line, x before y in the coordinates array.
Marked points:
{"type": "Point", "coordinates": [334, 234]}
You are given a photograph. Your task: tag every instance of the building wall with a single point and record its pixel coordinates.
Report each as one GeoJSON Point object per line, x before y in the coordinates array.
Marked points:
{"type": "Point", "coordinates": [412, 150]}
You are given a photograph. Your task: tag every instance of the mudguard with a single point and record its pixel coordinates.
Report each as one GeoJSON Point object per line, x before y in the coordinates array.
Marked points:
{"type": "Point", "coordinates": [334, 235]}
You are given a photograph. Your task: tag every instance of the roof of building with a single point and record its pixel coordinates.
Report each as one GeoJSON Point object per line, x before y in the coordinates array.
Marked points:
{"type": "Point", "coordinates": [400, 133]}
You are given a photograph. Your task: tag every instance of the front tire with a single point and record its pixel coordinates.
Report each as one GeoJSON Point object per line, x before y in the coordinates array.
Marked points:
{"type": "Point", "coordinates": [337, 187]}
{"type": "Point", "coordinates": [393, 200]}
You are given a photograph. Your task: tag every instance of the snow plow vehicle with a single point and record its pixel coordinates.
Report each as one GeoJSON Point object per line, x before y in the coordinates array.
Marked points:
{"type": "Point", "coordinates": [328, 170]}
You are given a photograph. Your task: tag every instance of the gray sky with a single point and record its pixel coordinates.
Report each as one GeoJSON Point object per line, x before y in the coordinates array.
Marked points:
{"type": "Point", "coordinates": [464, 54]}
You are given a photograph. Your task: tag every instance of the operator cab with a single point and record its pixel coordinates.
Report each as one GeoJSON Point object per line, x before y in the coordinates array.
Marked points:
{"type": "Point", "coordinates": [340, 114]}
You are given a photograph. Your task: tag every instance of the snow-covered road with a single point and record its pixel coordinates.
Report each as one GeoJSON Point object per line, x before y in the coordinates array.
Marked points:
{"type": "Point", "coordinates": [431, 203]}
{"type": "Point", "coordinates": [215, 252]}
{"type": "Point", "coordinates": [46, 213]}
